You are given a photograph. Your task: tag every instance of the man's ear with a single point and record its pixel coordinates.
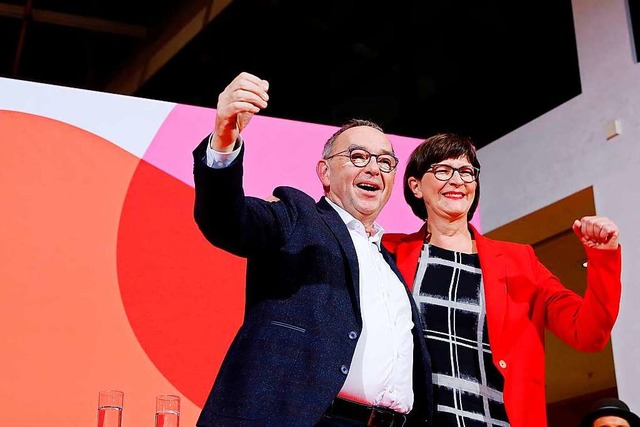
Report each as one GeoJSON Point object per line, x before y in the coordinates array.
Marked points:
{"type": "Point", "coordinates": [414, 185]}
{"type": "Point", "coordinates": [323, 172]}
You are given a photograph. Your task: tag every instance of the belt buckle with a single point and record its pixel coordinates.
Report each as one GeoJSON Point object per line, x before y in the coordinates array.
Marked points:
{"type": "Point", "coordinates": [384, 418]}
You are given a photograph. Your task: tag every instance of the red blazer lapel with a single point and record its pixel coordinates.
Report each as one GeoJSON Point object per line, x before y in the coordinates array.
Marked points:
{"type": "Point", "coordinates": [408, 254]}
{"type": "Point", "coordinates": [494, 277]}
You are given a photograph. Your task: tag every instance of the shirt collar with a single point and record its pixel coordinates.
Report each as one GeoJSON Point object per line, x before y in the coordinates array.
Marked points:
{"type": "Point", "coordinates": [354, 224]}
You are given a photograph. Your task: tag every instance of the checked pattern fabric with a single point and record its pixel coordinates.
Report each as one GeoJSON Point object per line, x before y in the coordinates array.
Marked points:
{"type": "Point", "coordinates": [468, 388]}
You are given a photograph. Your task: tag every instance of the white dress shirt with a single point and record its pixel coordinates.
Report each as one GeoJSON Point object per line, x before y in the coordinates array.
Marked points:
{"type": "Point", "coordinates": [381, 371]}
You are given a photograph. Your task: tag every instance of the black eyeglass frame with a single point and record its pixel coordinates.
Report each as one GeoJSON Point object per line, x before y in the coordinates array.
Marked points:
{"type": "Point", "coordinates": [350, 150]}
{"type": "Point", "coordinates": [433, 167]}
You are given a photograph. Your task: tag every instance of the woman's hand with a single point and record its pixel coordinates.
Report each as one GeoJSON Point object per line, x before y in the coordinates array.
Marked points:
{"type": "Point", "coordinates": [597, 232]}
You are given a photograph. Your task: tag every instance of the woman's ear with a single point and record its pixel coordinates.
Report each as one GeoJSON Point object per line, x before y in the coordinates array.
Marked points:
{"type": "Point", "coordinates": [414, 185]}
{"type": "Point", "coordinates": [323, 172]}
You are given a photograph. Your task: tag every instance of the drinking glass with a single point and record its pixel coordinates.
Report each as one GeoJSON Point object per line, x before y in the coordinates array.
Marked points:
{"type": "Point", "coordinates": [110, 408]}
{"type": "Point", "coordinates": [167, 410]}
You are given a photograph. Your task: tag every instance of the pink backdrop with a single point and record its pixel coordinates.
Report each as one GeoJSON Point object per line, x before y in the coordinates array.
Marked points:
{"type": "Point", "coordinates": [106, 281]}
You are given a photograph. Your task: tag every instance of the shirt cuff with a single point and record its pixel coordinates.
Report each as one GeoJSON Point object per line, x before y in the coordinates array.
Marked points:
{"type": "Point", "coordinates": [218, 160]}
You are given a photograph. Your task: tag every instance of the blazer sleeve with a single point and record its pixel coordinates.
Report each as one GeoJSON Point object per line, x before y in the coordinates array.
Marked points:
{"type": "Point", "coordinates": [584, 323]}
{"type": "Point", "coordinates": [227, 218]}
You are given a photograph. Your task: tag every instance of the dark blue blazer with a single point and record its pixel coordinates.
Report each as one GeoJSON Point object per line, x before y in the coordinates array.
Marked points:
{"type": "Point", "coordinates": [302, 316]}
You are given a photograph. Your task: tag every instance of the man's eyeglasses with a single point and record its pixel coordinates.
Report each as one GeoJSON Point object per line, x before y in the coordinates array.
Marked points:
{"type": "Point", "coordinates": [445, 172]}
{"type": "Point", "coordinates": [361, 158]}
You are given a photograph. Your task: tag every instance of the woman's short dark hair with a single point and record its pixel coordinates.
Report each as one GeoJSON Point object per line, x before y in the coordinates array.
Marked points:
{"type": "Point", "coordinates": [433, 150]}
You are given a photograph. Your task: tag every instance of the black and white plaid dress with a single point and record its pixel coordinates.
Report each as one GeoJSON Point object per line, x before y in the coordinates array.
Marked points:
{"type": "Point", "coordinates": [467, 386]}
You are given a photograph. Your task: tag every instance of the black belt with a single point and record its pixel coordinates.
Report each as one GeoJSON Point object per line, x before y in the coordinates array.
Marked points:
{"type": "Point", "coordinates": [371, 416]}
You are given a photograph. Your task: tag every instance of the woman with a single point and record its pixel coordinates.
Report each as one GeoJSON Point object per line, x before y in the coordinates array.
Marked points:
{"type": "Point", "coordinates": [485, 303]}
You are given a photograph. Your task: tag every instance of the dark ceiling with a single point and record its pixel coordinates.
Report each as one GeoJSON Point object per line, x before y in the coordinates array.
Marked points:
{"type": "Point", "coordinates": [482, 68]}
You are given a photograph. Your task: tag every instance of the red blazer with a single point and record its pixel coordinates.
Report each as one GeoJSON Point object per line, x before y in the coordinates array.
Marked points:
{"type": "Point", "coordinates": [522, 297]}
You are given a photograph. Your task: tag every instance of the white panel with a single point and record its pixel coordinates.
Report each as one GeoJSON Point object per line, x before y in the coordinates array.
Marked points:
{"type": "Point", "coordinates": [565, 151]}
{"type": "Point", "coordinates": [129, 122]}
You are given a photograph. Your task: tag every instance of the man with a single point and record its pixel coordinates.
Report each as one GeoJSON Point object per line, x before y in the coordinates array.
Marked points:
{"type": "Point", "coordinates": [330, 333]}
{"type": "Point", "coordinates": [610, 412]}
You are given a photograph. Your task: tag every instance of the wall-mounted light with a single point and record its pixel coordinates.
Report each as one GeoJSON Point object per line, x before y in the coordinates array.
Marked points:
{"type": "Point", "coordinates": [613, 129]}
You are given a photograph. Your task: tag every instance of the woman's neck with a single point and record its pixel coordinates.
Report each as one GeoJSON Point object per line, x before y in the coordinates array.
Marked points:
{"type": "Point", "coordinates": [451, 235]}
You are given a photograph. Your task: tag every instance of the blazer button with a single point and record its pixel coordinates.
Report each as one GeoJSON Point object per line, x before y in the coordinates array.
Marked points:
{"type": "Point", "coordinates": [502, 364]}
{"type": "Point", "coordinates": [344, 369]}
{"type": "Point", "coordinates": [353, 335]}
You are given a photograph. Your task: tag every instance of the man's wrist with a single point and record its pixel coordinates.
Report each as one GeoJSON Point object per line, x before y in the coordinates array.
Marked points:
{"type": "Point", "coordinates": [219, 159]}
{"type": "Point", "coordinates": [227, 149]}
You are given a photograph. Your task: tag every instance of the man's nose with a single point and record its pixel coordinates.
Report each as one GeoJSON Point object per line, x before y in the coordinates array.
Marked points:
{"type": "Point", "coordinates": [373, 166]}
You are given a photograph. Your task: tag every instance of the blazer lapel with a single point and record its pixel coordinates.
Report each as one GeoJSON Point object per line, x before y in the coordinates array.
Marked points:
{"type": "Point", "coordinates": [408, 254]}
{"type": "Point", "coordinates": [341, 233]}
{"type": "Point", "coordinates": [494, 277]}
